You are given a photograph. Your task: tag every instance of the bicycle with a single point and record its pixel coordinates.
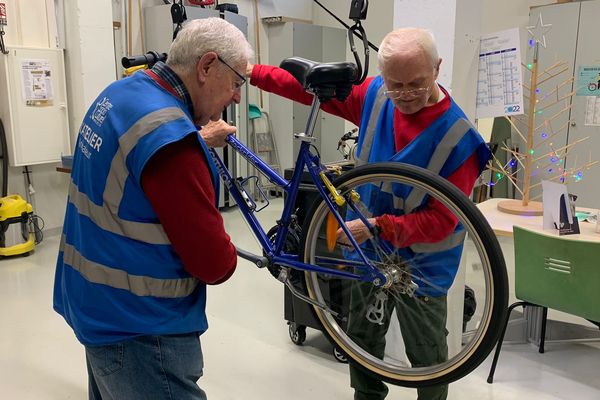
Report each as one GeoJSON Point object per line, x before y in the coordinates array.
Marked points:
{"type": "Point", "coordinates": [336, 275]}
{"type": "Point", "coordinates": [350, 285]}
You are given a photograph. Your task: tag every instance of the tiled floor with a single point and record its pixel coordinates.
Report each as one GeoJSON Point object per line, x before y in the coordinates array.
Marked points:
{"type": "Point", "coordinates": [247, 349]}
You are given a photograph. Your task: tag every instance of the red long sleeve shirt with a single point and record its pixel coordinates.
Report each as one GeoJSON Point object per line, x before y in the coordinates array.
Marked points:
{"type": "Point", "coordinates": [429, 225]}
{"type": "Point", "coordinates": [178, 184]}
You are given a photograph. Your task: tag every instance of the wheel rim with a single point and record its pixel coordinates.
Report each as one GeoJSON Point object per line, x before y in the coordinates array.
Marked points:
{"type": "Point", "coordinates": [482, 335]}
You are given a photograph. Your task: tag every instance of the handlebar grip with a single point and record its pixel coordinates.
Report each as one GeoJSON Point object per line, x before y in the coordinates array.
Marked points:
{"type": "Point", "coordinates": [150, 58]}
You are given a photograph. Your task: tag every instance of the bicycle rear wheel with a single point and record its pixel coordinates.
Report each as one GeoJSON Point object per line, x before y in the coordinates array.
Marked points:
{"type": "Point", "coordinates": [440, 314]}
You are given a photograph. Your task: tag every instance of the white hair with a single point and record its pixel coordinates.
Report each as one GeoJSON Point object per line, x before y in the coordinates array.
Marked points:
{"type": "Point", "coordinates": [407, 40]}
{"type": "Point", "coordinates": [200, 36]}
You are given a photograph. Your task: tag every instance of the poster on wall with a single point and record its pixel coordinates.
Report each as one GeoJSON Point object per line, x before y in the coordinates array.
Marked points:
{"type": "Point", "coordinates": [499, 81]}
{"type": "Point", "coordinates": [588, 80]}
{"type": "Point", "coordinates": [37, 82]}
{"type": "Point", "coordinates": [592, 111]}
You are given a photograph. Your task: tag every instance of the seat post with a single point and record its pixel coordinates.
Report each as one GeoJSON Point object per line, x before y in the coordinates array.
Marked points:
{"type": "Point", "coordinates": [312, 118]}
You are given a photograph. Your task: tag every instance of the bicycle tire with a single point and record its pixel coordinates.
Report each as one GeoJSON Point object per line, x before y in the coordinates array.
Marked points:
{"type": "Point", "coordinates": [484, 332]}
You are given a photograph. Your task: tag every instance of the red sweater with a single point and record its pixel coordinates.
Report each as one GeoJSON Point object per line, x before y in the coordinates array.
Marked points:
{"type": "Point", "coordinates": [178, 185]}
{"type": "Point", "coordinates": [426, 226]}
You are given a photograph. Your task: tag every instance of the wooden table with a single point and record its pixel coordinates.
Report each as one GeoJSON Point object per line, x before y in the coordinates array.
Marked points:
{"type": "Point", "coordinates": [503, 223]}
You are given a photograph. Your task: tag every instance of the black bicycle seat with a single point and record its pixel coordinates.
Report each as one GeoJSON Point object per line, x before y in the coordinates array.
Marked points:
{"type": "Point", "coordinates": [323, 78]}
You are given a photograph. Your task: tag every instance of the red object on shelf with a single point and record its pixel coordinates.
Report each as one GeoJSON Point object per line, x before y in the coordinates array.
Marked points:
{"type": "Point", "coordinates": [202, 2]}
{"type": "Point", "coordinates": [3, 19]}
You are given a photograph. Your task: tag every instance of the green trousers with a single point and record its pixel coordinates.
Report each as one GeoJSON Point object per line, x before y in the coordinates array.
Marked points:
{"type": "Point", "coordinates": [423, 326]}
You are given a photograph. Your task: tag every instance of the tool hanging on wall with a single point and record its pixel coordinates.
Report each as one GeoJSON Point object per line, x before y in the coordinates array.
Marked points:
{"type": "Point", "coordinates": [178, 16]}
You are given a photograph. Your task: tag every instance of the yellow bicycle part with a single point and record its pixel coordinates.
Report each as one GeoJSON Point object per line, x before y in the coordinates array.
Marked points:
{"type": "Point", "coordinates": [339, 200]}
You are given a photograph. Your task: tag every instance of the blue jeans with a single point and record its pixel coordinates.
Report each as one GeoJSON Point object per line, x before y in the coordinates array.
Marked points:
{"type": "Point", "coordinates": [145, 368]}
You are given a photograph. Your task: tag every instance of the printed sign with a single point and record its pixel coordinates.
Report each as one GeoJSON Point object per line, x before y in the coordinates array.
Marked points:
{"type": "Point", "coordinates": [499, 82]}
{"type": "Point", "coordinates": [588, 80]}
{"type": "Point", "coordinates": [37, 81]}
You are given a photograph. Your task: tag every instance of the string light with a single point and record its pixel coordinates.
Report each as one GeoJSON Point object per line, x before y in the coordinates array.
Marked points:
{"type": "Point", "coordinates": [498, 176]}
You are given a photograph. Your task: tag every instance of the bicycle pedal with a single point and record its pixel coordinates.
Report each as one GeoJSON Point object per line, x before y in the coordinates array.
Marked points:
{"type": "Point", "coordinates": [303, 137]}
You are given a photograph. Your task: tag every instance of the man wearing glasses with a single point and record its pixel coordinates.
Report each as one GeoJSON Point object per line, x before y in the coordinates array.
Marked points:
{"type": "Point", "coordinates": [142, 235]}
{"type": "Point", "coordinates": [403, 114]}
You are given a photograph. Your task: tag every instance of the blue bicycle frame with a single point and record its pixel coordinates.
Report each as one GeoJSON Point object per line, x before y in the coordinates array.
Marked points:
{"type": "Point", "coordinates": [275, 253]}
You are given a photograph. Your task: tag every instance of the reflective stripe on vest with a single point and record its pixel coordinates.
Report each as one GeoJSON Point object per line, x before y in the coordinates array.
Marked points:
{"type": "Point", "coordinates": [119, 279]}
{"type": "Point", "coordinates": [450, 242]}
{"type": "Point", "coordinates": [365, 150]}
{"type": "Point", "coordinates": [105, 219]}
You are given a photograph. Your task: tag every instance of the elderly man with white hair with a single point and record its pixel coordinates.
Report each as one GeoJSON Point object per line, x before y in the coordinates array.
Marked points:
{"type": "Point", "coordinates": [403, 115]}
{"type": "Point", "coordinates": [132, 269]}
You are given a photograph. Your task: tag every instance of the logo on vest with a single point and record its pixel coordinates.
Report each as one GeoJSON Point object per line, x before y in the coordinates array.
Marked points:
{"type": "Point", "coordinates": [91, 138]}
{"type": "Point", "coordinates": [101, 110]}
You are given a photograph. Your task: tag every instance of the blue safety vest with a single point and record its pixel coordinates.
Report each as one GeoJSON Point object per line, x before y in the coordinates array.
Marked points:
{"type": "Point", "coordinates": [117, 274]}
{"type": "Point", "coordinates": [441, 148]}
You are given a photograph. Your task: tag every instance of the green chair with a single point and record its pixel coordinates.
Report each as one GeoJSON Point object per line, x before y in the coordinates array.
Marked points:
{"type": "Point", "coordinates": [554, 272]}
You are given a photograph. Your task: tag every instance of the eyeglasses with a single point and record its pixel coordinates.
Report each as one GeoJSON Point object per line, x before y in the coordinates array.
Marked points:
{"type": "Point", "coordinates": [406, 93]}
{"type": "Point", "coordinates": [237, 84]}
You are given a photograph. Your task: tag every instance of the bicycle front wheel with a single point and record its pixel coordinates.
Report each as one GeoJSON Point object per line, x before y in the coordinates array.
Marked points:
{"type": "Point", "coordinates": [439, 313]}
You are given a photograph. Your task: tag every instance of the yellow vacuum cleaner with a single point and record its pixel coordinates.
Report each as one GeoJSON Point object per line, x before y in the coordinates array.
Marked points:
{"type": "Point", "coordinates": [14, 210]}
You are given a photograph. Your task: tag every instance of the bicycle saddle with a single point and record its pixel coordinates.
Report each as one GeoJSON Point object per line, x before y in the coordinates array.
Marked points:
{"type": "Point", "coordinates": [326, 80]}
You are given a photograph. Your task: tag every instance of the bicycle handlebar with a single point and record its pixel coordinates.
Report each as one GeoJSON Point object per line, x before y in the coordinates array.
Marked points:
{"type": "Point", "coordinates": [150, 58]}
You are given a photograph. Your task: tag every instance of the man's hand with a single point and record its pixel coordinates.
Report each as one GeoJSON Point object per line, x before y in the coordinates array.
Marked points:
{"type": "Point", "coordinates": [249, 70]}
{"type": "Point", "coordinates": [215, 132]}
{"type": "Point", "coordinates": [358, 229]}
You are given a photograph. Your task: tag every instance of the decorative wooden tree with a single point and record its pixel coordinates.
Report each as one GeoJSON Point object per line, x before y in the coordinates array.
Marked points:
{"type": "Point", "coordinates": [550, 162]}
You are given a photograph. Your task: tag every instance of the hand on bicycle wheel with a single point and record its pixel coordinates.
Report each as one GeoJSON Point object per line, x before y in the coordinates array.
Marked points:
{"type": "Point", "coordinates": [358, 229]}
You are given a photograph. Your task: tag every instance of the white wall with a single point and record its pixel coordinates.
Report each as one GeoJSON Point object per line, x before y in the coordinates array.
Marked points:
{"type": "Point", "coordinates": [89, 55]}
{"type": "Point", "coordinates": [501, 15]}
